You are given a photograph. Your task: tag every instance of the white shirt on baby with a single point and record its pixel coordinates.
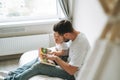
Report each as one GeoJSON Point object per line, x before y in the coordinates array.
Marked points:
{"type": "Point", "coordinates": [59, 47]}
{"type": "Point", "coordinates": [62, 46]}
{"type": "Point", "coordinates": [78, 51]}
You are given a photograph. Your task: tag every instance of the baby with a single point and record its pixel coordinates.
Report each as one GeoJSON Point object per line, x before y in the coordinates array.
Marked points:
{"type": "Point", "coordinates": [61, 49]}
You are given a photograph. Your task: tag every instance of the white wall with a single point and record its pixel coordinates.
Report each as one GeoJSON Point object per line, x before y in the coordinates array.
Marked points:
{"type": "Point", "coordinates": [89, 18]}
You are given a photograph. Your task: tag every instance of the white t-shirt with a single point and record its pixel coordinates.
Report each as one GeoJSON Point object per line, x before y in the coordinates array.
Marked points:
{"type": "Point", "coordinates": [78, 51]}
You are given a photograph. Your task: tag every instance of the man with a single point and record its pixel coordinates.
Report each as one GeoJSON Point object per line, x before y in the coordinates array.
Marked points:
{"type": "Point", "coordinates": [67, 70]}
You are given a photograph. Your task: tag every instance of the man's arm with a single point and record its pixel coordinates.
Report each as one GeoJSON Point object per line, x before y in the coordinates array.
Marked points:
{"type": "Point", "coordinates": [67, 67]}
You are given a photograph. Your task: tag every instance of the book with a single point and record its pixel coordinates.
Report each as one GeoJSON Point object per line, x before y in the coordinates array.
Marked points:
{"type": "Point", "coordinates": [44, 60]}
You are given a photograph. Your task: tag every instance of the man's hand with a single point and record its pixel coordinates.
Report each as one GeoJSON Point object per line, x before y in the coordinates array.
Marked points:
{"type": "Point", "coordinates": [67, 67]}
{"type": "Point", "coordinates": [49, 56]}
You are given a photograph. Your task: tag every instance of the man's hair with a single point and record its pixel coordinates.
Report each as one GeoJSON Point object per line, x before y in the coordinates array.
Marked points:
{"type": "Point", "coordinates": [62, 27]}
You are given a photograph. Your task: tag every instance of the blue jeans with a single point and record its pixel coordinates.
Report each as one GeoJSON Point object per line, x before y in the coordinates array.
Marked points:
{"type": "Point", "coordinates": [35, 68]}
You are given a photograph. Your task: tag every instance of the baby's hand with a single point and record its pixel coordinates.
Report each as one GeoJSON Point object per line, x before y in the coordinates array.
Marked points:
{"type": "Point", "coordinates": [54, 53]}
{"type": "Point", "coordinates": [50, 53]}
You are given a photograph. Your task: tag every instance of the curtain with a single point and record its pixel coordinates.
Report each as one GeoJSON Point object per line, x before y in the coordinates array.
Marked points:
{"type": "Point", "coordinates": [65, 8]}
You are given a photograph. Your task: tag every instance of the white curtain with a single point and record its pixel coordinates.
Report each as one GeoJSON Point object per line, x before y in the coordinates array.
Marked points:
{"type": "Point", "coordinates": [64, 4]}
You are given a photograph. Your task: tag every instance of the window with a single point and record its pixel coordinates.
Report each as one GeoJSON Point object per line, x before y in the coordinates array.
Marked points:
{"type": "Point", "coordinates": [16, 10]}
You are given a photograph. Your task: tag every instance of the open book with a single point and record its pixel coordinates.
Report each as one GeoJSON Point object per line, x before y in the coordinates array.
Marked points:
{"type": "Point", "coordinates": [44, 60]}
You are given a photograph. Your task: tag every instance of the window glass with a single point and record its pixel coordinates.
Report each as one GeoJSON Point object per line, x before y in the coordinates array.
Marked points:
{"type": "Point", "coordinates": [14, 9]}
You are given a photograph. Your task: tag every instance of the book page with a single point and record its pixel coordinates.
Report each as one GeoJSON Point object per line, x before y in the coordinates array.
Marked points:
{"type": "Point", "coordinates": [44, 60]}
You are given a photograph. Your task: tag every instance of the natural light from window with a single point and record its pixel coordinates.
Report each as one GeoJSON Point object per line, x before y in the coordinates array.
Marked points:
{"type": "Point", "coordinates": [28, 9]}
